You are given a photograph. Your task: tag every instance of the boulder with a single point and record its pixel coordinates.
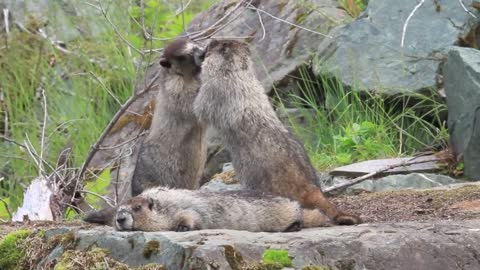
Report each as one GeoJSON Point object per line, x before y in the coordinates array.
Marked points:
{"type": "Point", "coordinates": [411, 245]}
{"type": "Point", "coordinates": [281, 48]}
{"type": "Point", "coordinates": [366, 53]}
{"type": "Point", "coordinates": [462, 87]}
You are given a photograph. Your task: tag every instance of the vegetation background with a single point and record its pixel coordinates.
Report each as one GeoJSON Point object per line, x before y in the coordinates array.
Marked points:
{"type": "Point", "coordinates": [68, 95]}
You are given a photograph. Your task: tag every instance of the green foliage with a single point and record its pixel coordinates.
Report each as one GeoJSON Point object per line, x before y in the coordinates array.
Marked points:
{"type": "Point", "coordinates": [343, 126]}
{"type": "Point", "coordinates": [277, 256]}
{"type": "Point", "coordinates": [11, 255]}
{"type": "Point", "coordinates": [78, 86]}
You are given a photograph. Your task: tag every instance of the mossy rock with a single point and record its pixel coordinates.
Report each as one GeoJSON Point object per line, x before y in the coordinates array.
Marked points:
{"type": "Point", "coordinates": [11, 253]}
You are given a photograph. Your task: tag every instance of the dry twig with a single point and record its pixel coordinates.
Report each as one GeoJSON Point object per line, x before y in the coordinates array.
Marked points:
{"type": "Point", "coordinates": [339, 187]}
{"type": "Point", "coordinates": [405, 25]}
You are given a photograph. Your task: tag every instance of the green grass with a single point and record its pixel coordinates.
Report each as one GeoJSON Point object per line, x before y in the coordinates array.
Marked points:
{"type": "Point", "coordinates": [277, 256]}
{"type": "Point", "coordinates": [342, 126]}
{"type": "Point", "coordinates": [79, 87]}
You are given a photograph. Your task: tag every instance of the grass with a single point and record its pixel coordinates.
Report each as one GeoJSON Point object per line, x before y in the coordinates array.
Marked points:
{"type": "Point", "coordinates": [342, 126]}
{"type": "Point", "coordinates": [83, 89]}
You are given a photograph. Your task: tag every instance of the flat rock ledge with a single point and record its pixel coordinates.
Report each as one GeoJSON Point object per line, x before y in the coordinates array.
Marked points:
{"type": "Point", "coordinates": [415, 245]}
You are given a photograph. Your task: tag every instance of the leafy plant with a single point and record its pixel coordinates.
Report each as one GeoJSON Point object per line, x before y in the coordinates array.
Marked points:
{"type": "Point", "coordinates": [344, 126]}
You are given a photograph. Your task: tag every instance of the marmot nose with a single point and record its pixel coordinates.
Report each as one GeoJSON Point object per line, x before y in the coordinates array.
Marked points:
{"type": "Point", "coordinates": [120, 220]}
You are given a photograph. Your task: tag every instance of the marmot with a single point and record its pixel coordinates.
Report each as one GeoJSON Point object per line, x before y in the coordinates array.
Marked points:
{"type": "Point", "coordinates": [163, 209]}
{"type": "Point", "coordinates": [174, 152]}
{"type": "Point", "coordinates": [265, 155]}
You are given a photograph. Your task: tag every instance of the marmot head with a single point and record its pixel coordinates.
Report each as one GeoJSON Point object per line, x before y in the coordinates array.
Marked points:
{"type": "Point", "coordinates": [228, 55]}
{"type": "Point", "coordinates": [182, 57]}
{"type": "Point", "coordinates": [138, 214]}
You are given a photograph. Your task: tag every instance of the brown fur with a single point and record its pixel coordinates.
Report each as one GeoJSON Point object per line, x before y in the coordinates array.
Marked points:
{"type": "Point", "coordinates": [266, 156]}
{"type": "Point", "coordinates": [174, 152]}
{"type": "Point", "coordinates": [163, 209]}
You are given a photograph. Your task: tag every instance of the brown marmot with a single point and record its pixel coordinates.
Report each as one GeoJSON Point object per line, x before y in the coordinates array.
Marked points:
{"type": "Point", "coordinates": [265, 155]}
{"type": "Point", "coordinates": [163, 209]}
{"type": "Point", "coordinates": [174, 152]}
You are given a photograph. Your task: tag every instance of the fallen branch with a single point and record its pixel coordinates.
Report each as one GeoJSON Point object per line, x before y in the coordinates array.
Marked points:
{"type": "Point", "coordinates": [95, 147]}
{"type": "Point", "coordinates": [339, 187]}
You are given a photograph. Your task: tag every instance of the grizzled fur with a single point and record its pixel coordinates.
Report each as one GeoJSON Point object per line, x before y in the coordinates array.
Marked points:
{"type": "Point", "coordinates": [265, 155]}
{"type": "Point", "coordinates": [174, 152]}
{"type": "Point", "coordinates": [163, 209]}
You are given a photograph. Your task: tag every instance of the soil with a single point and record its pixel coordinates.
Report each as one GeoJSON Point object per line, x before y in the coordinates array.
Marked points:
{"type": "Point", "coordinates": [414, 205]}
{"type": "Point", "coordinates": [380, 207]}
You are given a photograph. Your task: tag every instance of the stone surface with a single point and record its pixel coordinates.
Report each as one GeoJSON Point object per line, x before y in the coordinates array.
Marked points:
{"type": "Point", "coordinates": [439, 245]}
{"type": "Point", "coordinates": [282, 48]}
{"type": "Point", "coordinates": [462, 86]}
{"type": "Point", "coordinates": [367, 53]}
{"type": "Point", "coordinates": [397, 182]}
{"type": "Point", "coordinates": [361, 168]}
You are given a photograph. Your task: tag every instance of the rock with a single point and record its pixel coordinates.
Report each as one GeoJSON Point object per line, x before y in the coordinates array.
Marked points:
{"type": "Point", "coordinates": [428, 164]}
{"type": "Point", "coordinates": [220, 186]}
{"type": "Point", "coordinates": [366, 53]}
{"type": "Point", "coordinates": [282, 48]}
{"type": "Point", "coordinates": [414, 245]}
{"type": "Point", "coordinates": [462, 86]}
{"type": "Point", "coordinates": [397, 182]}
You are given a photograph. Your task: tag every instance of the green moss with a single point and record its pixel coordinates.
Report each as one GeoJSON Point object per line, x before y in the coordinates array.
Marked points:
{"type": "Point", "coordinates": [151, 247]}
{"type": "Point", "coordinates": [94, 259]}
{"type": "Point", "coordinates": [11, 254]}
{"type": "Point", "coordinates": [67, 240]}
{"type": "Point", "coordinates": [277, 256]}
{"type": "Point", "coordinates": [152, 266]}
{"type": "Point", "coordinates": [234, 258]}
{"type": "Point", "coordinates": [316, 267]}
{"type": "Point", "coordinates": [264, 266]}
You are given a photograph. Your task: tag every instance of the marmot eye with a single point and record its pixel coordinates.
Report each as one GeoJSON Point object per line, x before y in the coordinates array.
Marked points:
{"type": "Point", "coordinates": [137, 208]}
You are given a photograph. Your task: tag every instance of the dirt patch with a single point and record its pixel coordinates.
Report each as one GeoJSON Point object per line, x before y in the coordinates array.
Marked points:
{"type": "Point", "coordinates": [410, 205]}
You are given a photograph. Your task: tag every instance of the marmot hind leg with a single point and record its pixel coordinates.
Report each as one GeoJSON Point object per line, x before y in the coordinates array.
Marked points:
{"type": "Point", "coordinates": [316, 199]}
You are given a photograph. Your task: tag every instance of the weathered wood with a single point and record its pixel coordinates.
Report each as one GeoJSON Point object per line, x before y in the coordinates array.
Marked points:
{"type": "Point", "coordinates": [422, 164]}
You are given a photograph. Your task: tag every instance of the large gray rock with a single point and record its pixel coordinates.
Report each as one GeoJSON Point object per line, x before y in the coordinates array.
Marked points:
{"type": "Point", "coordinates": [439, 245]}
{"type": "Point", "coordinates": [462, 87]}
{"type": "Point", "coordinates": [366, 53]}
{"type": "Point", "coordinates": [283, 48]}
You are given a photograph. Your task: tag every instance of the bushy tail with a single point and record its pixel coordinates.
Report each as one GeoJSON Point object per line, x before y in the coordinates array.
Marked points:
{"type": "Point", "coordinates": [315, 218]}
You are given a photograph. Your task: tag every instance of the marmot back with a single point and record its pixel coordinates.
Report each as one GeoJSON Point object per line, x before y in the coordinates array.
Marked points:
{"type": "Point", "coordinates": [174, 152]}
{"type": "Point", "coordinates": [162, 209]}
{"type": "Point", "coordinates": [265, 155]}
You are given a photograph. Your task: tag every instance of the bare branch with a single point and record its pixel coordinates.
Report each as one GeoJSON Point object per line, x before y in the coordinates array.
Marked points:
{"type": "Point", "coordinates": [110, 125]}
{"type": "Point", "coordinates": [405, 25]}
{"type": "Point", "coordinates": [287, 22]}
{"type": "Point", "coordinates": [13, 141]}
{"type": "Point", "coordinates": [261, 24]}
{"type": "Point", "coordinates": [109, 201]}
{"type": "Point", "coordinates": [466, 10]}
{"type": "Point", "coordinates": [5, 20]}
{"type": "Point", "coordinates": [44, 127]}
{"type": "Point", "coordinates": [362, 178]}
{"type": "Point", "coordinates": [114, 27]}
{"type": "Point", "coordinates": [105, 87]}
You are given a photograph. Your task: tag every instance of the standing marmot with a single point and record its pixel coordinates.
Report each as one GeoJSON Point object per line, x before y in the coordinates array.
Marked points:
{"type": "Point", "coordinates": [265, 155]}
{"type": "Point", "coordinates": [174, 152]}
{"type": "Point", "coordinates": [163, 209]}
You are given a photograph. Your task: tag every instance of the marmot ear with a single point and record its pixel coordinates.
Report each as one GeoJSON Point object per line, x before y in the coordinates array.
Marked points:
{"type": "Point", "coordinates": [150, 203]}
{"type": "Point", "coordinates": [165, 63]}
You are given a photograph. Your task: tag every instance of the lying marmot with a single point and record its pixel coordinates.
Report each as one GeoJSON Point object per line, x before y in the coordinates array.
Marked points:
{"type": "Point", "coordinates": [265, 155]}
{"type": "Point", "coordinates": [174, 152]}
{"type": "Point", "coordinates": [163, 209]}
